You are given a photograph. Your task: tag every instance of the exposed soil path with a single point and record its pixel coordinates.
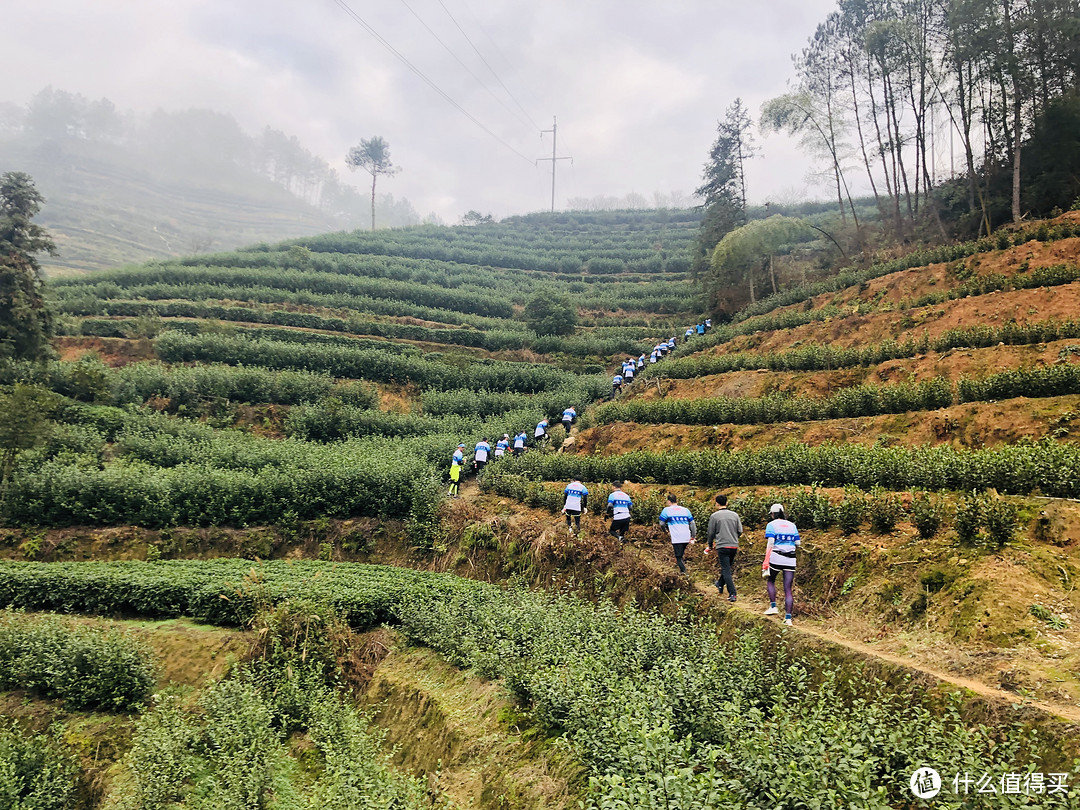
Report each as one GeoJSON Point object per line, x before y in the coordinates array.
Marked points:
{"type": "Point", "coordinates": [1064, 711]}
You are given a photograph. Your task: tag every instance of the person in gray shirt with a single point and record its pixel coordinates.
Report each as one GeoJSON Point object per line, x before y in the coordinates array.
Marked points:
{"type": "Point", "coordinates": [725, 528]}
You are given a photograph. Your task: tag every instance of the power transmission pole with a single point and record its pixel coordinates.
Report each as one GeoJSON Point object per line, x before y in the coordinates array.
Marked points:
{"type": "Point", "coordinates": [553, 159]}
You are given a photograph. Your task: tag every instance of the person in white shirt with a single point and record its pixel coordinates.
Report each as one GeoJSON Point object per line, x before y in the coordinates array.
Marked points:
{"type": "Point", "coordinates": [782, 539]}
{"type": "Point", "coordinates": [619, 503]}
{"type": "Point", "coordinates": [680, 524]}
{"type": "Point", "coordinates": [577, 499]}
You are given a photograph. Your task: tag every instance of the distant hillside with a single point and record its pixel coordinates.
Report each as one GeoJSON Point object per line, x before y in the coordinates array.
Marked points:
{"type": "Point", "coordinates": [105, 208]}
{"type": "Point", "coordinates": [123, 188]}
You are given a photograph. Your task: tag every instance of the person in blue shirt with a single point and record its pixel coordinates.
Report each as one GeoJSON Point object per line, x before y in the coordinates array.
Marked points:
{"type": "Point", "coordinates": [568, 417]}
{"type": "Point", "coordinates": [577, 499]}
{"type": "Point", "coordinates": [619, 503]}
{"type": "Point", "coordinates": [616, 384]}
{"type": "Point", "coordinates": [689, 333]}
{"type": "Point", "coordinates": [519, 443]}
{"type": "Point", "coordinates": [641, 361]}
{"type": "Point", "coordinates": [480, 455]}
{"type": "Point", "coordinates": [502, 445]}
{"type": "Point", "coordinates": [628, 371]}
{"type": "Point", "coordinates": [540, 434]}
{"type": "Point", "coordinates": [680, 525]}
{"type": "Point", "coordinates": [782, 541]}
{"type": "Point", "coordinates": [459, 456]}
{"type": "Point", "coordinates": [708, 324]}
{"type": "Point", "coordinates": [671, 343]}
{"type": "Point", "coordinates": [701, 329]}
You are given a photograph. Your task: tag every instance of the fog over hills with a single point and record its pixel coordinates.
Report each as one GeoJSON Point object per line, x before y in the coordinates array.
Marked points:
{"type": "Point", "coordinates": [123, 188]}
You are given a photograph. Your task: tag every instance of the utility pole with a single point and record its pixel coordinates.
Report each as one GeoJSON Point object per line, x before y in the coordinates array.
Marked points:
{"type": "Point", "coordinates": [553, 159]}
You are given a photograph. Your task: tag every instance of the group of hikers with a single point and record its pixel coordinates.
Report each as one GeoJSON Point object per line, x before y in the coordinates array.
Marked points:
{"type": "Point", "coordinates": [722, 536]}
{"type": "Point", "coordinates": [725, 526]}
{"type": "Point", "coordinates": [632, 365]}
{"type": "Point", "coordinates": [516, 444]}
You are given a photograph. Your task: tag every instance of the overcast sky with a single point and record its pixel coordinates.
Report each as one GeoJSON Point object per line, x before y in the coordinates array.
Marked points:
{"type": "Point", "coordinates": [637, 85]}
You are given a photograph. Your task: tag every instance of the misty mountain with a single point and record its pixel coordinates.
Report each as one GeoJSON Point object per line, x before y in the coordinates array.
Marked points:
{"type": "Point", "coordinates": [124, 188]}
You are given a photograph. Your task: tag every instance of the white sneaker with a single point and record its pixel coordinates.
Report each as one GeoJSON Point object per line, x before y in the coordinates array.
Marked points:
{"type": "Point", "coordinates": [771, 611]}
{"type": "Point", "coordinates": [787, 622]}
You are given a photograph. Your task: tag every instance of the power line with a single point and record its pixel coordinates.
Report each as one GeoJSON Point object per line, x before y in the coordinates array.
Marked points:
{"type": "Point", "coordinates": [467, 68]}
{"type": "Point", "coordinates": [489, 67]}
{"type": "Point", "coordinates": [363, 24]}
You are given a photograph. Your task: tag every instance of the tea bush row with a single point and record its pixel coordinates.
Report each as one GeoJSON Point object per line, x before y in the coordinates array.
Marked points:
{"type": "Point", "coordinates": [360, 363]}
{"type": "Point", "coordinates": [129, 283]}
{"type": "Point", "coordinates": [858, 400]}
{"type": "Point", "coordinates": [90, 380]}
{"type": "Point", "coordinates": [1045, 467]}
{"type": "Point", "coordinates": [827, 357]}
{"type": "Point", "coordinates": [473, 402]}
{"type": "Point", "coordinates": [155, 479]}
{"type": "Point", "coordinates": [1051, 276]}
{"type": "Point", "coordinates": [86, 667]}
{"type": "Point", "coordinates": [226, 592]}
{"type": "Point", "coordinates": [98, 299]}
{"type": "Point", "coordinates": [807, 507]}
{"type": "Point", "coordinates": [1002, 240]}
{"type": "Point", "coordinates": [865, 399]}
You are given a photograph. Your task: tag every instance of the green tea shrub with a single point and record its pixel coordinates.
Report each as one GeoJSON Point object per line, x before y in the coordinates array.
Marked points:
{"type": "Point", "coordinates": [86, 667]}
{"type": "Point", "coordinates": [969, 518]}
{"type": "Point", "coordinates": [1002, 519]}
{"type": "Point", "coordinates": [36, 771]}
{"type": "Point", "coordinates": [927, 514]}
{"type": "Point", "coordinates": [885, 510]}
{"type": "Point", "coordinates": [851, 511]}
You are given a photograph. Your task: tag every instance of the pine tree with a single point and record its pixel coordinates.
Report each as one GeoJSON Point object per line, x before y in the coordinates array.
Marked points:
{"type": "Point", "coordinates": [25, 321]}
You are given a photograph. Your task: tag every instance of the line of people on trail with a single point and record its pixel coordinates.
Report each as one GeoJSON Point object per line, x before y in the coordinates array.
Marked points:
{"type": "Point", "coordinates": [725, 528]}
{"type": "Point", "coordinates": [516, 445]}
{"type": "Point", "coordinates": [633, 365]}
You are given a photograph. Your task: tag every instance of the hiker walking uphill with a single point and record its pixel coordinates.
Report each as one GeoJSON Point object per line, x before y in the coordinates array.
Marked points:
{"type": "Point", "coordinates": [568, 417]}
{"type": "Point", "coordinates": [540, 434]}
{"type": "Point", "coordinates": [519, 443]}
{"type": "Point", "coordinates": [616, 384]}
{"type": "Point", "coordinates": [455, 478]}
{"type": "Point", "coordinates": [480, 455]}
{"type": "Point", "coordinates": [618, 504]}
{"type": "Point", "coordinates": [502, 445]}
{"type": "Point", "coordinates": [680, 525]}
{"type": "Point", "coordinates": [782, 539]}
{"type": "Point", "coordinates": [577, 499]}
{"type": "Point", "coordinates": [725, 528]}
{"type": "Point", "coordinates": [459, 456]}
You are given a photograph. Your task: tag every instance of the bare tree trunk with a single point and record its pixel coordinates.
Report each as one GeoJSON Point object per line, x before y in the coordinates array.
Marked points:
{"type": "Point", "coordinates": [1016, 158]}
{"type": "Point", "coordinates": [373, 177]}
{"type": "Point", "coordinates": [862, 144]}
{"type": "Point", "coordinates": [772, 270]}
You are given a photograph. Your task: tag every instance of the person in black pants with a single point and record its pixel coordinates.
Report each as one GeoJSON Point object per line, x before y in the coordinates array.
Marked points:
{"type": "Point", "coordinates": [725, 528]}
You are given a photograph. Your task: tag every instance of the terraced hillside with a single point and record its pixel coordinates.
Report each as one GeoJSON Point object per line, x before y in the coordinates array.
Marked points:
{"type": "Point", "coordinates": [293, 410]}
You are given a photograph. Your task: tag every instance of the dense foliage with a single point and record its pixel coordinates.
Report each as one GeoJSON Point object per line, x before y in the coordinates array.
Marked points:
{"type": "Point", "coordinates": [1045, 467]}
{"type": "Point", "coordinates": [86, 667]}
{"type": "Point", "coordinates": [653, 709]}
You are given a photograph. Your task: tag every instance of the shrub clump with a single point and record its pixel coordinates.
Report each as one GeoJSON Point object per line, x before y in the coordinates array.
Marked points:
{"type": "Point", "coordinates": [86, 667]}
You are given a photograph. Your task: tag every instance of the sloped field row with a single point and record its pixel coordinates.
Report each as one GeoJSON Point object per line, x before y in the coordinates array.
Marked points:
{"type": "Point", "coordinates": [650, 708]}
